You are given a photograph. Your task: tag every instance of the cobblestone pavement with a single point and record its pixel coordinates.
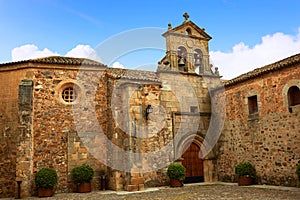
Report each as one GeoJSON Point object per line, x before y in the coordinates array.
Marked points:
{"type": "Point", "coordinates": [192, 192]}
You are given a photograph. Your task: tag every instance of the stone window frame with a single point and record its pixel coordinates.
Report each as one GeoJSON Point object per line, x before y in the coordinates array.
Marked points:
{"type": "Point", "coordinates": [252, 105]}
{"type": "Point", "coordinates": [294, 96]}
{"type": "Point", "coordinates": [285, 96]}
{"type": "Point", "coordinates": [63, 85]}
{"type": "Point", "coordinates": [259, 105]}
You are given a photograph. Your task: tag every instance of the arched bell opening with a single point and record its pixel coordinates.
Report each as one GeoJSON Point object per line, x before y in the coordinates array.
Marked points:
{"type": "Point", "coordinates": [198, 60]}
{"type": "Point", "coordinates": [188, 32]}
{"type": "Point", "coordinates": [182, 54]}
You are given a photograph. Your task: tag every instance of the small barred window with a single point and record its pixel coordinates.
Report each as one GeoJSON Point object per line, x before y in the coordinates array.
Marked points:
{"type": "Point", "coordinates": [69, 94]}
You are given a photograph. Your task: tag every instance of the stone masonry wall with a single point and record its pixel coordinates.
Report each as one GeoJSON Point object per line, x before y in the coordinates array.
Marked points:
{"type": "Point", "coordinates": [132, 132]}
{"type": "Point", "coordinates": [9, 137]}
{"type": "Point", "coordinates": [67, 135]}
{"type": "Point", "coordinates": [269, 140]}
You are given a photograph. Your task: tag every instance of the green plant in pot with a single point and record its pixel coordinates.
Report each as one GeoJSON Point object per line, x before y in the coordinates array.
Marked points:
{"type": "Point", "coordinates": [245, 173]}
{"type": "Point", "coordinates": [45, 180]}
{"type": "Point", "coordinates": [82, 176]}
{"type": "Point", "coordinates": [298, 174]}
{"type": "Point", "coordinates": [176, 173]}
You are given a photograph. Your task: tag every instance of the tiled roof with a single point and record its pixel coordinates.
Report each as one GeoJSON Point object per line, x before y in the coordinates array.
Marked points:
{"type": "Point", "coordinates": [266, 69]}
{"type": "Point", "coordinates": [58, 60]}
{"type": "Point", "coordinates": [131, 74]}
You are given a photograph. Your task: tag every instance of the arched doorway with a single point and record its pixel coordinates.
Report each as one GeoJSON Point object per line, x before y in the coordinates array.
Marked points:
{"type": "Point", "coordinates": [193, 164]}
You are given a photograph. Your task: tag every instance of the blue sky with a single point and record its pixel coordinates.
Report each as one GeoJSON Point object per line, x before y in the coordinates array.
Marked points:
{"type": "Point", "coordinates": [242, 28]}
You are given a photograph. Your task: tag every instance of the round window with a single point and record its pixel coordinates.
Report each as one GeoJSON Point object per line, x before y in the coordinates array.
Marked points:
{"type": "Point", "coordinates": [69, 94]}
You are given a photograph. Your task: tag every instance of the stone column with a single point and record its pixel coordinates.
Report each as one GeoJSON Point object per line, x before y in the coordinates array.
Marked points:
{"type": "Point", "coordinates": [190, 62]}
{"type": "Point", "coordinates": [134, 178]}
{"type": "Point", "coordinates": [24, 161]}
{"type": "Point", "coordinates": [206, 65]}
{"type": "Point", "coordinates": [174, 60]}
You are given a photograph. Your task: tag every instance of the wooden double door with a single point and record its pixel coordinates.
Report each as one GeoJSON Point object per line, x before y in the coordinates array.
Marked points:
{"type": "Point", "coordinates": [193, 164]}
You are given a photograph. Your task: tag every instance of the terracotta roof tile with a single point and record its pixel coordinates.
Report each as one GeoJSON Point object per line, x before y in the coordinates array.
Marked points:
{"type": "Point", "coordinates": [131, 74]}
{"type": "Point", "coordinates": [58, 60]}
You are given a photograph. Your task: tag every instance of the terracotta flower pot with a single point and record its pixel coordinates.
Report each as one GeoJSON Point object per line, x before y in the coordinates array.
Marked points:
{"type": "Point", "coordinates": [84, 187]}
{"type": "Point", "coordinates": [244, 180]}
{"type": "Point", "coordinates": [42, 192]}
{"type": "Point", "coordinates": [175, 183]}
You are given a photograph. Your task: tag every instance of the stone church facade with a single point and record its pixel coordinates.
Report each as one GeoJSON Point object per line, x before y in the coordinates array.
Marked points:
{"type": "Point", "coordinates": [61, 112]}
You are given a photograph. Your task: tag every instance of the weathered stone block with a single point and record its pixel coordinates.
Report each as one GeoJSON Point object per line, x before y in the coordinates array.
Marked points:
{"type": "Point", "coordinates": [141, 187]}
{"type": "Point", "coordinates": [137, 181]}
{"type": "Point", "coordinates": [132, 188]}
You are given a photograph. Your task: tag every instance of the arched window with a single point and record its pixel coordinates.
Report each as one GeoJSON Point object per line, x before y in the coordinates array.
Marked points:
{"type": "Point", "coordinates": [294, 96]}
{"type": "Point", "coordinates": [182, 53]}
{"type": "Point", "coordinates": [188, 31]}
{"type": "Point", "coordinates": [198, 56]}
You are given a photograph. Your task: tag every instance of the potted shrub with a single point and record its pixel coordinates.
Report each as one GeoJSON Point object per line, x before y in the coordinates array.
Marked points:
{"type": "Point", "coordinates": [176, 173]}
{"type": "Point", "coordinates": [245, 173]}
{"type": "Point", "coordinates": [45, 180]}
{"type": "Point", "coordinates": [82, 177]}
{"type": "Point", "coordinates": [298, 174]}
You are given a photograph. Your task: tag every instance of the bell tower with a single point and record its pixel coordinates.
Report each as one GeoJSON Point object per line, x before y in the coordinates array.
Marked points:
{"type": "Point", "coordinates": [187, 49]}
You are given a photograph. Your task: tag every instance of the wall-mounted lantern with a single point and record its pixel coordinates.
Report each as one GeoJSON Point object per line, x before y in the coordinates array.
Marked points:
{"type": "Point", "coordinates": [149, 109]}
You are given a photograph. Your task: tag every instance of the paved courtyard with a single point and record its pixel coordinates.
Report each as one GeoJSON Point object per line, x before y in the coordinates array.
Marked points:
{"type": "Point", "coordinates": [192, 192]}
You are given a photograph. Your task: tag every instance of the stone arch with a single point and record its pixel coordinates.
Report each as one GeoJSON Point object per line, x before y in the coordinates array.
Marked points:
{"type": "Point", "coordinates": [188, 31]}
{"type": "Point", "coordinates": [208, 162]}
{"type": "Point", "coordinates": [181, 51]}
{"type": "Point", "coordinates": [285, 92]}
{"type": "Point", "coordinates": [205, 63]}
{"type": "Point", "coordinates": [183, 144]}
{"type": "Point", "coordinates": [294, 96]}
{"type": "Point", "coordinates": [182, 58]}
{"type": "Point", "coordinates": [198, 59]}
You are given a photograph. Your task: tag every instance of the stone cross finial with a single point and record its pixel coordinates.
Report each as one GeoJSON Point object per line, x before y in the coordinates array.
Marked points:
{"type": "Point", "coordinates": [186, 16]}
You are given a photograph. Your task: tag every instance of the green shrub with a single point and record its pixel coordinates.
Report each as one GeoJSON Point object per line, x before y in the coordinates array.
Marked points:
{"type": "Point", "coordinates": [46, 178]}
{"type": "Point", "coordinates": [176, 171]}
{"type": "Point", "coordinates": [244, 169]}
{"type": "Point", "coordinates": [82, 174]}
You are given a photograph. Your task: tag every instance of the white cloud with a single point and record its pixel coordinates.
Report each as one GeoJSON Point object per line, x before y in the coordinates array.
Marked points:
{"type": "Point", "coordinates": [117, 65]}
{"type": "Point", "coordinates": [29, 51]}
{"type": "Point", "coordinates": [83, 51]}
{"type": "Point", "coordinates": [243, 58]}
{"type": "Point", "coordinates": [240, 60]}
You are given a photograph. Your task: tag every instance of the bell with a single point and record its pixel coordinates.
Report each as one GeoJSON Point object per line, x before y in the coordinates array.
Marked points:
{"type": "Point", "coordinates": [181, 62]}
{"type": "Point", "coordinates": [197, 62]}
